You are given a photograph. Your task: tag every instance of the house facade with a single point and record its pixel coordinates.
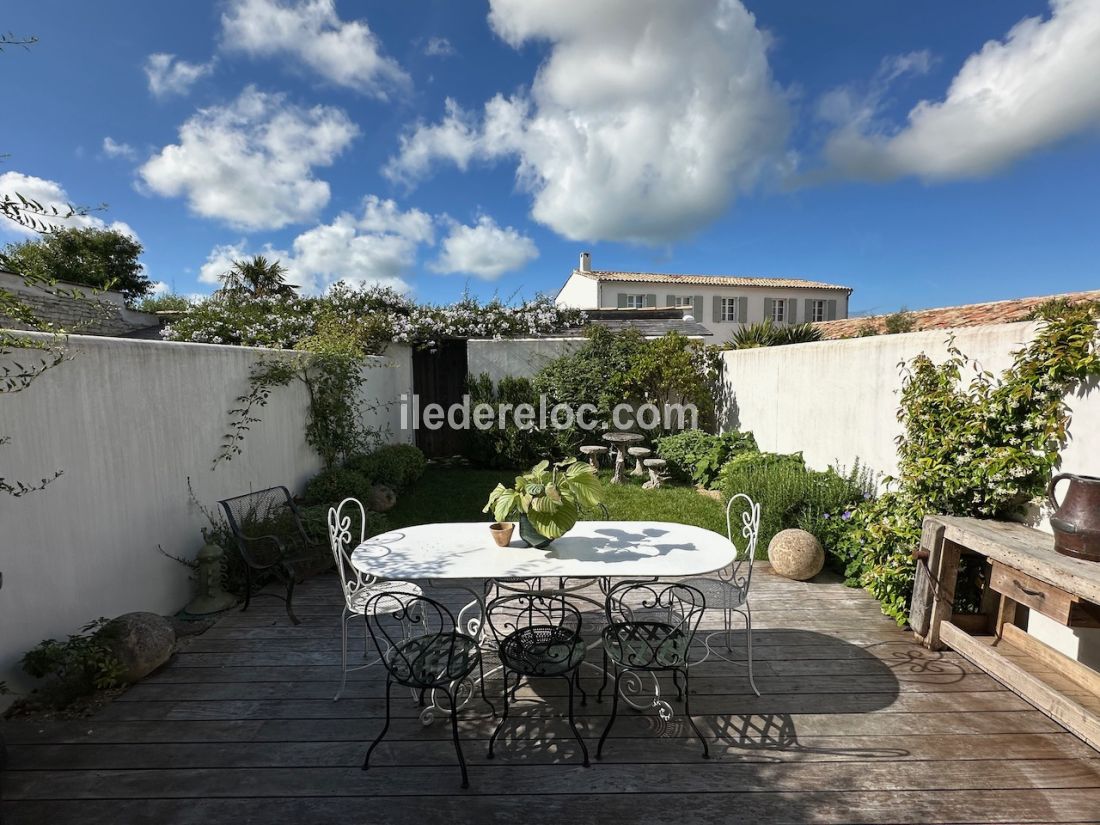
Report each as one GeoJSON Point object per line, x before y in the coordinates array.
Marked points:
{"type": "Point", "coordinates": [723, 303]}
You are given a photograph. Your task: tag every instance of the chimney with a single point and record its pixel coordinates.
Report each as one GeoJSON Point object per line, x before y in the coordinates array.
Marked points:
{"type": "Point", "coordinates": [586, 262]}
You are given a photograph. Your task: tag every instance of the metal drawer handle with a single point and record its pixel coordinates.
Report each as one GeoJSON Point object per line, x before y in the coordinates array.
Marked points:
{"type": "Point", "coordinates": [1035, 594]}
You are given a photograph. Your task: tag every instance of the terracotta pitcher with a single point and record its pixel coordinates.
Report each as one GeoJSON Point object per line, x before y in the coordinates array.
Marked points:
{"type": "Point", "coordinates": [1076, 521]}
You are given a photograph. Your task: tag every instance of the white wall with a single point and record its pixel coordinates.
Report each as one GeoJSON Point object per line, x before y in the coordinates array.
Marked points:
{"type": "Point", "coordinates": [128, 422]}
{"type": "Point", "coordinates": [836, 401]}
{"type": "Point", "coordinates": [519, 358]}
{"type": "Point", "coordinates": [579, 292]}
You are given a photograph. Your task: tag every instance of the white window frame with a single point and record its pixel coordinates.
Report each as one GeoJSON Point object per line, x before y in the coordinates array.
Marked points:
{"type": "Point", "coordinates": [683, 301]}
{"type": "Point", "coordinates": [729, 311]}
{"type": "Point", "coordinates": [779, 311]}
{"type": "Point", "coordinates": [635, 301]}
{"type": "Point", "coordinates": [819, 310]}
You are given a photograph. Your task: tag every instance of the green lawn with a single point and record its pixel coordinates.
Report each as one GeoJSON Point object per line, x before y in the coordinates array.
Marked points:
{"type": "Point", "coordinates": [458, 494]}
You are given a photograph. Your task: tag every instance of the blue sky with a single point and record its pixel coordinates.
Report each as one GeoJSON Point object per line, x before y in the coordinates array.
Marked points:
{"type": "Point", "coordinates": [924, 154]}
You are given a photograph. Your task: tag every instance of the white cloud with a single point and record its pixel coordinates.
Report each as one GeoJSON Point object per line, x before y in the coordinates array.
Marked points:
{"type": "Point", "coordinates": [114, 149]}
{"type": "Point", "coordinates": [168, 75]}
{"type": "Point", "coordinates": [384, 217]}
{"type": "Point", "coordinates": [439, 47]}
{"type": "Point", "coordinates": [251, 163]}
{"type": "Point", "coordinates": [51, 194]}
{"type": "Point", "coordinates": [642, 124]}
{"type": "Point", "coordinates": [159, 288]}
{"type": "Point", "coordinates": [346, 53]}
{"type": "Point", "coordinates": [484, 250]}
{"type": "Point", "coordinates": [221, 258]}
{"type": "Point", "coordinates": [377, 247]}
{"type": "Point", "coordinates": [1037, 86]}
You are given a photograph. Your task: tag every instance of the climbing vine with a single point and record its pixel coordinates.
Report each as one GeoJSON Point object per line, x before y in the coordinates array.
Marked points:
{"type": "Point", "coordinates": [980, 448]}
{"type": "Point", "coordinates": [330, 366]}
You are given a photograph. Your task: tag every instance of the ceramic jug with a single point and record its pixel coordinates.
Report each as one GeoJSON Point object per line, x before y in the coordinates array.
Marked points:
{"type": "Point", "coordinates": [1076, 521]}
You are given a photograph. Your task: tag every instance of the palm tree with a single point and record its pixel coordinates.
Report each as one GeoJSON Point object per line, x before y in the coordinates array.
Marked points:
{"type": "Point", "coordinates": [256, 277]}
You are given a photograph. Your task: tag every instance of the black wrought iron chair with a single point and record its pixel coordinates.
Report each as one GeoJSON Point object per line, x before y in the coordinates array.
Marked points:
{"type": "Point", "coordinates": [538, 634]}
{"type": "Point", "coordinates": [421, 649]}
{"type": "Point", "coordinates": [650, 628]}
{"type": "Point", "coordinates": [272, 540]}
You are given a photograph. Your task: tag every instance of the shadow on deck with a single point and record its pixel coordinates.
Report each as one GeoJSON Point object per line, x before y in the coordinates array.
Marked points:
{"type": "Point", "coordinates": [856, 723]}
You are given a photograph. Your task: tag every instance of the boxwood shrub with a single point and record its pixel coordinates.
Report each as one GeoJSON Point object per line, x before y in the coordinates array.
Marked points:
{"type": "Point", "coordinates": [395, 465]}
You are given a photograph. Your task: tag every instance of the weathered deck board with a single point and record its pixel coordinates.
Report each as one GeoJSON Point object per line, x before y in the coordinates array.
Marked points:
{"type": "Point", "coordinates": [857, 723]}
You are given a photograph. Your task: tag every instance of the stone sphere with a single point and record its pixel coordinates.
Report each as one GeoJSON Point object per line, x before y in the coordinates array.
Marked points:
{"type": "Point", "coordinates": [796, 554]}
{"type": "Point", "coordinates": [382, 498]}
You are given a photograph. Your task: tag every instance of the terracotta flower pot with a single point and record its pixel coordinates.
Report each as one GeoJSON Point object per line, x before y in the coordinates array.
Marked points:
{"type": "Point", "coordinates": [502, 532]}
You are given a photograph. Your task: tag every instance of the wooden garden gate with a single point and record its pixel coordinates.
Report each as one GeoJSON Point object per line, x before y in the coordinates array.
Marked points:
{"type": "Point", "coordinates": [439, 377]}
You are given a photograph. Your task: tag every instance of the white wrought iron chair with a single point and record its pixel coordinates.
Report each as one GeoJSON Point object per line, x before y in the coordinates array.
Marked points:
{"type": "Point", "coordinates": [358, 587]}
{"type": "Point", "coordinates": [728, 589]}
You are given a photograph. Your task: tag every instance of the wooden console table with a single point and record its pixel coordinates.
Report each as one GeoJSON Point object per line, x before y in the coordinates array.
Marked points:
{"type": "Point", "coordinates": [1021, 568]}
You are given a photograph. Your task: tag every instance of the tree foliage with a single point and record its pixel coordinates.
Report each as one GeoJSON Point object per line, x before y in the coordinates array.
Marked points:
{"type": "Point", "coordinates": [97, 258]}
{"type": "Point", "coordinates": [257, 277]}
{"type": "Point", "coordinates": [767, 334]}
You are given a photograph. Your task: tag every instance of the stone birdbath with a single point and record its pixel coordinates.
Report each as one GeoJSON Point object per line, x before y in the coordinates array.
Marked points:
{"type": "Point", "coordinates": [593, 452]}
{"type": "Point", "coordinates": [620, 441]}
{"type": "Point", "coordinates": [638, 454]}
{"type": "Point", "coordinates": [656, 467]}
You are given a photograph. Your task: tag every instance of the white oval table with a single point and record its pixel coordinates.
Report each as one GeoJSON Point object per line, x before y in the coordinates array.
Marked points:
{"type": "Point", "coordinates": [448, 555]}
{"type": "Point", "coordinates": [592, 549]}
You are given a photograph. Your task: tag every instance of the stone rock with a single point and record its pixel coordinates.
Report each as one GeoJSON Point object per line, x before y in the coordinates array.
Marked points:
{"type": "Point", "coordinates": [796, 554]}
{"type": "Point", "coordinates": [141, 642]}
{"type": "Point", "coordinates": [381, 499]}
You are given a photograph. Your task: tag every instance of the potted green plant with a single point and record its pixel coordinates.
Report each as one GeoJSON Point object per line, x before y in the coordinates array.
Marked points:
{"type": "Point", "coordinates": [547, 500]}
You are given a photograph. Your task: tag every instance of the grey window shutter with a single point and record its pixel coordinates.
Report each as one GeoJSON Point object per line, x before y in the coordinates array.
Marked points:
{"type": "Point", "coordinates": [809, 309]}
{"type": "Point", "coordinates": [697, 309]}
{"type": "Point", "coordinates": [792, 311]}
{"type": "Point", "coordinates": [769, 309]}
{"type": "Point", "coordinates": [651, 300]}
{"type": "Point", "coordinates": [743, 310]}
{"type": "Point", "coordinates": [830, 310]}
{"type": "Point", "coordinates": [622, 301]}
{"type": "Point", "coordinates": [717, 310]}
{"type": "Point", "coordinates": [670, 300]}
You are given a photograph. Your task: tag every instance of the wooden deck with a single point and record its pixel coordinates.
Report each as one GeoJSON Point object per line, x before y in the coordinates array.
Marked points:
{"type": "Point", "coordinates": [856, 723]}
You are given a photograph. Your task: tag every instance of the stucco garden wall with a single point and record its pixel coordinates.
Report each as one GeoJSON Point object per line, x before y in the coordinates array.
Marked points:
{"type": "Point", "coordinates": [128, 422]}
{"type": "Point", "coordinates": [836, 401]}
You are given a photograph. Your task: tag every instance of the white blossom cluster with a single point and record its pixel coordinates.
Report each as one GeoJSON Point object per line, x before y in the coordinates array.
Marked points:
{"type": "Point", "coordinates": [281, 322]}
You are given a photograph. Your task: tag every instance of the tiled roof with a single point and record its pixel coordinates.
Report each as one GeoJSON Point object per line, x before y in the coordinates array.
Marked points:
{"type": "Point", "coordinates": [707, 280]}
{"type": "Point", "coordinates": [650, 322]}
{"type": "Point", "coordinates": [967, 315]}
{"type": "Point", "coordinates": [648, 327]}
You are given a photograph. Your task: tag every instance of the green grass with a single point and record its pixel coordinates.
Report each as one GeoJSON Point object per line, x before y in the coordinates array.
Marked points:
{"type": "Point", "coordinates": [457, 494]}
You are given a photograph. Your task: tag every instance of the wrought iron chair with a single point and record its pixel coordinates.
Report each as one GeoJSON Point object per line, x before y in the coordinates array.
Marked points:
{"type": "Point", "coordinates": [650, 629]}
{"type": "Point", "coordinates": [728, 589]}
{"type": "Point", "coordinates": [538, 634]}
{"type": "Point", "coordinates": [272, 540]}
{"type": "Point", "coordinates": [421, 649]}
{"type": "Point", "coordinates": [358, 587]}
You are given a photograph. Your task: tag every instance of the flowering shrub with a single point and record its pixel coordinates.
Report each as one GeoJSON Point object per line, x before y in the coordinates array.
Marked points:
{"type": "Point", "coordinates": [377, 315]}
{"type": "Point", "coordinates": [981, 449]}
